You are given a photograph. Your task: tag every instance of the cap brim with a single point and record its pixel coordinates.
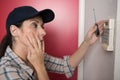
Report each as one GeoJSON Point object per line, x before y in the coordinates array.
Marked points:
{"type": "Point", "coordinates": [47, 15]}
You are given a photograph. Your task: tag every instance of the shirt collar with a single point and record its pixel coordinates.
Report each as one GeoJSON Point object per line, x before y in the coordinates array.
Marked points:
{"type": "Point", "coordinates": [17, 61]}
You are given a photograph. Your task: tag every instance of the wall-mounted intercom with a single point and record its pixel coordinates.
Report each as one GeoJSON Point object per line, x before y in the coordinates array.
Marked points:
{"type": "Point", "coordinates": [108, 35]}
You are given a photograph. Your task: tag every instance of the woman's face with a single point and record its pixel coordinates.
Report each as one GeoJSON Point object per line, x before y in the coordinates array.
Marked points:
{"type": "Point", "coordinates": [31, 28]}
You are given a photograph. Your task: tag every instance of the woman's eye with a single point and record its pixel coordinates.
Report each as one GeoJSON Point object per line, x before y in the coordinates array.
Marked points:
{"type": "Point", "coordinates": [35, 25]}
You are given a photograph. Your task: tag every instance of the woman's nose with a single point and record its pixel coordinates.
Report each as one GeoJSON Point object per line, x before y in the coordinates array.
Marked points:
{"type": "Point", "coordinates": [41, 32]}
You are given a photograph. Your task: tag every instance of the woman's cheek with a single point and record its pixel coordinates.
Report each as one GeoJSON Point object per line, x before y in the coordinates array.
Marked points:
{"type": "Point", "coordinates": [24, 39]}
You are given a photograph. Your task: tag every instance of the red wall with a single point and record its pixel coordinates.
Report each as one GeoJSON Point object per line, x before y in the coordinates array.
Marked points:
{"type": "Point", "coordinates": [62, 33]}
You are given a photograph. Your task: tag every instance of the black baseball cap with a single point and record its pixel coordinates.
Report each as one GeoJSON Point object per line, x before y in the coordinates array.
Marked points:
{"type": "Point", "coordinates": [25, 12]}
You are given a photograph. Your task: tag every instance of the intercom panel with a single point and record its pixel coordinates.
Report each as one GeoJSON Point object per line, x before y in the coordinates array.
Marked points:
{"type": "Point", "coordinates": [108, 35]}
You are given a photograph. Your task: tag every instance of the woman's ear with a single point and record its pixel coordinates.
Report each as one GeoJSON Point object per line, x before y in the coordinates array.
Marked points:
{"type": "Point", "coordinates": [14, 30]}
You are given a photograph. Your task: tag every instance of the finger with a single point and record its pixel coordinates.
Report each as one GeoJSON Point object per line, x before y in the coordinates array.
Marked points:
{"type": "Point", "coordinates": [100, 24]}
{"type": "Point", "coordinates": [29, 47]}
{"type": "Point", "coordinates": [38, 41]}
{"type": "Point", "coordinates": [29, 38]}
{"type": "Point", "coordinates": [43, 46]}
{"type": "Point", "coordinates": [30, 50]}
{"type": "Point", "coordinates": [29, 42]}
{"type": "Point", "coordinates": [94, 28]}
{"type": "Point", "coordinates": [101, 32]}
{"type": "Point", "coordinates": [34, 40]}
{"type": "Point", "coordinates": [101, 28]}
{"type": "Point", "coordinates": [39, 45]}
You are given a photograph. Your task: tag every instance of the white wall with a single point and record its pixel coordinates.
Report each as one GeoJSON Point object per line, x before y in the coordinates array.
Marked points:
{"type": "Point", "coordinates": [81, 34]}
{"type": "Point", "coordinates": [117, 47]}
{"type": "Point", "coordinates": [98, 64]}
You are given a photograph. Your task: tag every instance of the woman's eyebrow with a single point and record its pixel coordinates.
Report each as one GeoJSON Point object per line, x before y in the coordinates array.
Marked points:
{"type": "Point", "coordinates": [42, 24]}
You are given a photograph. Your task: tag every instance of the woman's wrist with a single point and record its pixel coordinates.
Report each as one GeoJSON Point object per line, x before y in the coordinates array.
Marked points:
{"type": "Point", "coordinates": [41, 72]}
{"type": "Point", "coordinates": [86, 42]}
{"type": "Point", "coordinates": [39, 66]}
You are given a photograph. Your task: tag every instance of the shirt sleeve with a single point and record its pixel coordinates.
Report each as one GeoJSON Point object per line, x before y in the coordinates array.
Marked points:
{"type": "Point", "coordinates": [9, 73]}
{"type": "Point", "coordinates": [59, 65]}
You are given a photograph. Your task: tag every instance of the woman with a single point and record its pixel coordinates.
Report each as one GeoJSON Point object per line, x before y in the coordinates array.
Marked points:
{"type": "Point", "coordinates": [22, 49]}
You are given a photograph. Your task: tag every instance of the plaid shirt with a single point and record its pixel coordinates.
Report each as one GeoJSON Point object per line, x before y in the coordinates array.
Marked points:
{"type": "Point", "coordinates": [13, 68]}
